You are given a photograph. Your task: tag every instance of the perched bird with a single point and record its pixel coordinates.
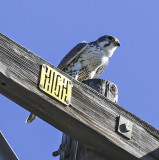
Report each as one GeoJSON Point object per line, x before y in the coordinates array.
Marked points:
{"type": "Point", "coordinates": [87, 60]}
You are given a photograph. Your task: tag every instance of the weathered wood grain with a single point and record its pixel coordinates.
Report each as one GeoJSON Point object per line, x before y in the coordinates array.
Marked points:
{"type": "Point", "coordinates": [91, 118]}
{"type": "Point", "coordinates": [73, 150]}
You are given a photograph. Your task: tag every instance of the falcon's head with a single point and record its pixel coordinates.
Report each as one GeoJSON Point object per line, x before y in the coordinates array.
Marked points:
{"type": "Point", "coordinates": [108, 44]}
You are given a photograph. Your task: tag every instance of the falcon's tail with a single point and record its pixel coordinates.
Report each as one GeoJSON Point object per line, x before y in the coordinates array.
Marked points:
{"type": "Point", "coordinates": [31, 118]}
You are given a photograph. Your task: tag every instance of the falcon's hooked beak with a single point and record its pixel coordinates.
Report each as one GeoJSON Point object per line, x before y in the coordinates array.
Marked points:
{"type": "Point", "coordinates": [117, 43]}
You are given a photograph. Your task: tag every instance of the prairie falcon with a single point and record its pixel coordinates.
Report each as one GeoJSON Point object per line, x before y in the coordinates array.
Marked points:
{"type": "Point", "coordinates": [87, 60]}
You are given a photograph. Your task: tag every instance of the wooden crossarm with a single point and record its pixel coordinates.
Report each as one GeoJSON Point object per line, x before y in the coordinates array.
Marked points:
{"type": "Point", "coordinates": [91, 118]}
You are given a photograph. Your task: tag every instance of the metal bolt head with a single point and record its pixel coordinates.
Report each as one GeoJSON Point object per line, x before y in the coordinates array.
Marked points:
{"type": "Point", "coordinates": [44, 66]}
{"type": "Point", "coordinates": [67, 101]}
{"type": "Point", "coordinates": [41, 86]}
{"type": "Point", "coordinates": [127, 126]}
{"type": "Point", "coordinates": [70, 82]}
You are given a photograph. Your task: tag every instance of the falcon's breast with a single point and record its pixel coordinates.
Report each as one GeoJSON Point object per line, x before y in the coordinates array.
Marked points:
{"type": "Point", "coordinates": [90, 63]}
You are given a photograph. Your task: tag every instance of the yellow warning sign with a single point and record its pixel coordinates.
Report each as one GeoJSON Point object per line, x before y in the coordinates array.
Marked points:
{"type": "Point", "coordinates": [55, 84]}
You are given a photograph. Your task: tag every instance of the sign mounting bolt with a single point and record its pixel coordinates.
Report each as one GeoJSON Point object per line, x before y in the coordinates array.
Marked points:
{"type": "Point", "coordinates": [44, 66]}
{"type": "Point", "coordinates": [41, 86]}
{"type": "Point", "coordinates": [67, 101]}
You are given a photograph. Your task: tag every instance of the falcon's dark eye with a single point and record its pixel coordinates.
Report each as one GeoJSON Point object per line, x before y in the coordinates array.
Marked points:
{"type": "Point", "coordinates": [111, 38]}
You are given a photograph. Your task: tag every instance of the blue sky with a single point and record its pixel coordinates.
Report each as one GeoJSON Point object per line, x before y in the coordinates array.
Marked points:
{"type": "Point", "coordinates": [51, 28]}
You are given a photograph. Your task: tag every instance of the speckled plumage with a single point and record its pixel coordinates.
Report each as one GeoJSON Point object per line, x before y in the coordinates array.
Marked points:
{"type": "Point", "coordinates": [88, 60]}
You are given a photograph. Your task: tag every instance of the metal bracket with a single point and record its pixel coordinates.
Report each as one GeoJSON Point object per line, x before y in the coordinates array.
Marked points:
{"type": "Point", "coordinates": [125, 127]}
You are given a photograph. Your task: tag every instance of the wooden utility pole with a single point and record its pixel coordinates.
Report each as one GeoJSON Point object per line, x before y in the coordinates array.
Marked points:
{"type": "Point", "coordinates": [6, 152]}
{"type": "Point", "coordinates": [89, 117]}
{"type": "Point", "coordinates": [71, 149]}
